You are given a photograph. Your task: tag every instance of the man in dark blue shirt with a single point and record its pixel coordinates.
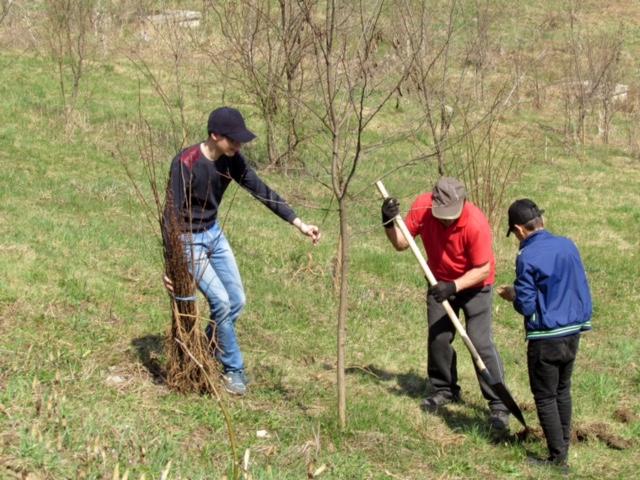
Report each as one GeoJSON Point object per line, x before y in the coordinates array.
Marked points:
{"type": "Point", "coordinates": [552, 293]}
{"type": "Point", "coordinates": [199, 176]}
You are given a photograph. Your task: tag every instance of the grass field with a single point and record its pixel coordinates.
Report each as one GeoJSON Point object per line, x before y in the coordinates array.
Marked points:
{"type": "Point", "coordinates": [83, 313]}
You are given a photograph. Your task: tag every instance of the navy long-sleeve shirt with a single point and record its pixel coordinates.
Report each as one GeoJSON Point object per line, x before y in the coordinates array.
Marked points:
{"type": "Point", "coordinates": [197, 185]}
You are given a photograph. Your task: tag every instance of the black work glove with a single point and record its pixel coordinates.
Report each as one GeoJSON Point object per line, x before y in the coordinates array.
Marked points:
{"type": "Point", "coordinates": [441, 291]}
{"type": "Point", "coordinates": [390, 208]}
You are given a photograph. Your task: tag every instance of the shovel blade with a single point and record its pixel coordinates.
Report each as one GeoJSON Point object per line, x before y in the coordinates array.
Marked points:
{"type": "Point", "coordinates": [503, 393]}
{"type": "Point", "coordinates": [501, 390]}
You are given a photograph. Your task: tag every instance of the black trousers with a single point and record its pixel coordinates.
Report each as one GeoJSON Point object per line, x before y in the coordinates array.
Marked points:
{"type": "Point", "coordinates": [442, 362]}
{"type": "Point", "coordinates": [550, 363]}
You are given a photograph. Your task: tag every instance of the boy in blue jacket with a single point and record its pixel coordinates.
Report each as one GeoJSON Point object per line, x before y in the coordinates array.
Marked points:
{"type": "Point", "coordinates": [552, 293]}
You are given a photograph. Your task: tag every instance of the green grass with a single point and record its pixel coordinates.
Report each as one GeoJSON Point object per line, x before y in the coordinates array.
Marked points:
{"type": "Point", "coordinates": [83, 313]}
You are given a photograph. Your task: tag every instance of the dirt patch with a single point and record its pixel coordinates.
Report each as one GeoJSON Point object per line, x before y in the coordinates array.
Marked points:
{"type": "Point", "coordinates": [600, 431]}
{"type": "Point", "coordinates": [625, 415]}
{"type": "Point", "coordinates": [582, 433]}
{"type": "Point", "coordinates": [529, 434]}
{"type": "Point", "coordinates": [11, 469]}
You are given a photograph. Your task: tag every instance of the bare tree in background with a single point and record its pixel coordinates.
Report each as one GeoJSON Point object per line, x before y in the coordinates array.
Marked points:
{"type": "Point", "coordinates": [487, 162]}
{"type": "Point", "coordinates": [352, 86]}
{"type": "Point", "coordinates": [479, 45]}
{"type": "Point", "coordinates": [462, 119]}
{"type": "Point", "coordinates": [606, 58]}
{"type": "Point", "coordinates": [529, 71]}
{"type": "Point", "coordinates": [169, 40]}
{"type": "Point", "coordinates": [591, 72]}
{"type": "Point", "coordinates": [67, 31]}
{"type": "Point", "coordinates": [264, 43]}
{"type": "Point", "coordinates": [432, 80]}
{"type": "Point", "coordinates": [633, 125]}
{"type": "Point", "coordinates": [5, 6]}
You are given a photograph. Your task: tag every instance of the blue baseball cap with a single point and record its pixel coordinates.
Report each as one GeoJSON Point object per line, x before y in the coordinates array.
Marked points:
{"type": "Point", "coordinates": [228, 122]}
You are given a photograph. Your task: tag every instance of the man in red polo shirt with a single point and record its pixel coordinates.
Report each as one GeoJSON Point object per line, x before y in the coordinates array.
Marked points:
{"type": "Point", "coordinates": [458, 242]}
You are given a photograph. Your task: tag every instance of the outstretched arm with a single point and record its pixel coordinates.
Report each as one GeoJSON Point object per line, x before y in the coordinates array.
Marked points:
{"type": "Point", "coordinates": [246, 176]}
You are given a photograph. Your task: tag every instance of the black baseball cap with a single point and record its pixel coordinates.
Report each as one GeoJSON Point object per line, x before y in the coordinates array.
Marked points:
{"type": "Point", "coordinates": [522, 211]}
{"type": "Point", "coordinates": [228, 122]}
{"type": "Point", "coordinates": [448, 198]}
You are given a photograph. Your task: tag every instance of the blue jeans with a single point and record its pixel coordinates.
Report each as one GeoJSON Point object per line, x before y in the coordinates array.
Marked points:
{"type": "Point", "coordinates": [213, 266]}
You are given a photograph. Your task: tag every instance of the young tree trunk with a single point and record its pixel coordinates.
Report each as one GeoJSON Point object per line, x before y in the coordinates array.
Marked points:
{"type": "Point", "coordinates": [272, 148]}
{"type": "Point", "coordinates": [342, 310]}
{"type": "Point", "coordinates": [292, 134]}
{"type": "Point", "coordinates": [346, 61]}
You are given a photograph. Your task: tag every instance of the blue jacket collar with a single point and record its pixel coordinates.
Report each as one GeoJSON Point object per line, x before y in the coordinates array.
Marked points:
{"type": "Point", "coordinates": [531, 238]}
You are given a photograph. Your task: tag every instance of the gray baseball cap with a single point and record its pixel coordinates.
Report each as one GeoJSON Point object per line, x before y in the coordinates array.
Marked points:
{"type": "Point", "coordinates": [449, 195]}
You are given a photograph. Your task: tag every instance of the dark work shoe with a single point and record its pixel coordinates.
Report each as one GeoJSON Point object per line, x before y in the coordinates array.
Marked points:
{"type": "Point", "coordinates": [439, 399]}
{"type": "Point", "coordinates": [235, 382]}
{"type": "Point", "coordinates": [499, 420]}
